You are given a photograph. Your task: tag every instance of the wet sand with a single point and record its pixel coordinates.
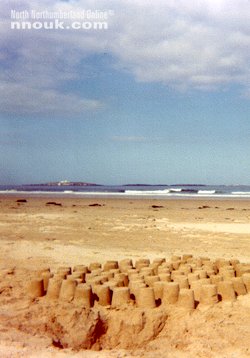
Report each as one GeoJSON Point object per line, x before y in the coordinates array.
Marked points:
{"type": "Point", "coordinates": [35, 235]}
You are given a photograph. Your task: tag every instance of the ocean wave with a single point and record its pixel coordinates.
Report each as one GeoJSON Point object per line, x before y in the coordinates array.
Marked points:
{"type": "Point", "coordinates": [118, 192]}
{"type": "Point", "coordinates": [30, 192]}
{"type": "Point", "coordinates": [147, 192]}
{"type": "Point", "coordinates": [8, 191]}
{"type": "Point", "coordinates": [189, 191]}
{"type": "Point", "coordinates": [206, 191]}
{"type": "Point", "coordinates": [171, 192]}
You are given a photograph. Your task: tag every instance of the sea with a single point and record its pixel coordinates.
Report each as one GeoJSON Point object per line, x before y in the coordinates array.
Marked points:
{"type": "Point", "coordinates": [133, 191]}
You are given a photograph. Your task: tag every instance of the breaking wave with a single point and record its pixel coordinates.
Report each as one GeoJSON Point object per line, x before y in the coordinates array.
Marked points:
{"type": "Point", "coordinates": [192, 191]}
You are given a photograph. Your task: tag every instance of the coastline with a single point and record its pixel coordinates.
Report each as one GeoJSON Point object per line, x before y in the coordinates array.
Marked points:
{"type": "Point", "coordinates": [122, 196]}
{"type": "Point", "coordinates": [132, 191]}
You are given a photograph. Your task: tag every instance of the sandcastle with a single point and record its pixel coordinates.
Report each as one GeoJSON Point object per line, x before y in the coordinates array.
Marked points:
{"type": "Point", "coordinates": [182, 281]}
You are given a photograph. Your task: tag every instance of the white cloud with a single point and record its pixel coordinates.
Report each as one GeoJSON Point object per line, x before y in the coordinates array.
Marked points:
{"type": "Point", "coordinates": [187, 44]}
{"type": "Point", "coordinates": [201, 45]}
{"type": "Point", "coordinates": [21, 100]}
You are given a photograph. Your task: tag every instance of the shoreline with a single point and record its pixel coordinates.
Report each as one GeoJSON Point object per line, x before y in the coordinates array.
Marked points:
{"type": "Point", "coordinates": [124, 196]}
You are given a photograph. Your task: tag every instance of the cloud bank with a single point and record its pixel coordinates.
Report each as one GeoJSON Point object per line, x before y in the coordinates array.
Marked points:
{"type": "Point", "coordinates": [186, 45]}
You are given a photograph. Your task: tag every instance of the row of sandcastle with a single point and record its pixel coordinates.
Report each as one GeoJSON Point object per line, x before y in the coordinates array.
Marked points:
{"type": "Point", "coordinates": [184, 281]}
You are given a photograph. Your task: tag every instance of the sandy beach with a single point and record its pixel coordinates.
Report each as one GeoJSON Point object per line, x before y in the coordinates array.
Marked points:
{"type": "Point", "coordinates": [36, 235]}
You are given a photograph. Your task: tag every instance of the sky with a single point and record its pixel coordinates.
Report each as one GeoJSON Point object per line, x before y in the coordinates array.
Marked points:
{"type": "Point", "coordinates": [160, 95]}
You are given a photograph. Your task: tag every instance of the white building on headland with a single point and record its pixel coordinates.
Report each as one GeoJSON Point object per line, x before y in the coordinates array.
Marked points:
{"type": "Point", "coordinates": [63, 182]}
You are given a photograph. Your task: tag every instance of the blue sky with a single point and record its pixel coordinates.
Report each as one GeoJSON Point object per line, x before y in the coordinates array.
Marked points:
{"type": "Point", "coordinates": [161, 96]}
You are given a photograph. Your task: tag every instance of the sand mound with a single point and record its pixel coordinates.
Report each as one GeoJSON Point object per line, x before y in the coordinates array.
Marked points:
{"type": "Point", "coordinates": [98, 329]}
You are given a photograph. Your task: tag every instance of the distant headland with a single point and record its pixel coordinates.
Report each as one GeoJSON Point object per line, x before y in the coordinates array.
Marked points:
{"type": "Point", "coordinates": [82, 183]}
{"type": "Point", "coordinates": [65, 183]}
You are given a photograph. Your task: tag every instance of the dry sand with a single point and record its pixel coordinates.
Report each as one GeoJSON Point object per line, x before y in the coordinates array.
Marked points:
{"type": "Point", "coordinates": [35, 235]}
